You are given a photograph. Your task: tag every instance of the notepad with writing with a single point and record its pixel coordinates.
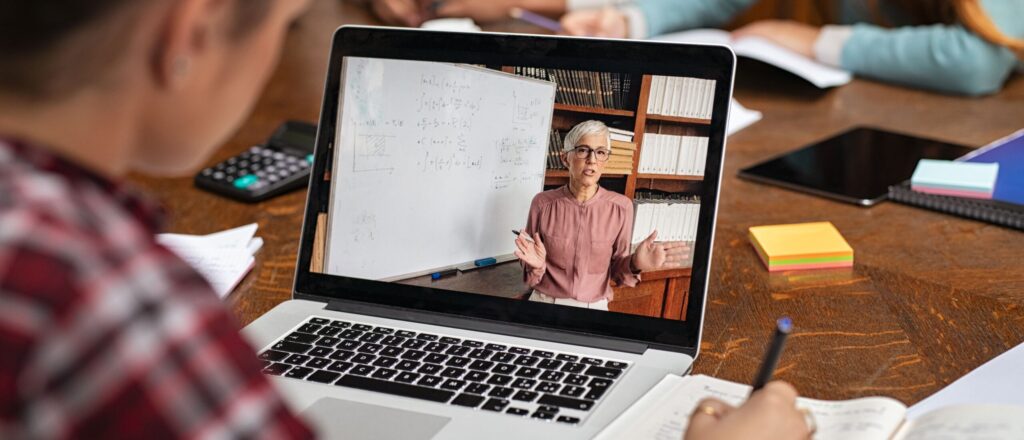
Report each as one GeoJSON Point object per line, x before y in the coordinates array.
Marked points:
{"type": "Point", "coordinates": [801, 246]}
{"type": "Point", "coordinates": [664, 412]}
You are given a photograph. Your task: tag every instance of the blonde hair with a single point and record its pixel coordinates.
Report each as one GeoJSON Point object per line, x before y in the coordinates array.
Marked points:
{"type": "Point", "coordinates": [586, 128]}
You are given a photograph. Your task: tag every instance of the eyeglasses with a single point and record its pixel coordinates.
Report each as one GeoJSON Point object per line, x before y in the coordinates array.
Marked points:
{"type": "Point", "coordinates": [583, 152]}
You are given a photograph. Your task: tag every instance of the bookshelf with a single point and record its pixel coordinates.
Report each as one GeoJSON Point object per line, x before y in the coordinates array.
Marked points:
{"type": "Point", "coordinates": [662, 293]}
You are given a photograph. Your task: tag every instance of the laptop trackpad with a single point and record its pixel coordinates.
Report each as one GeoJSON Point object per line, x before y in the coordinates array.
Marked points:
{"type": "Point", "coordinates": [337, 418]}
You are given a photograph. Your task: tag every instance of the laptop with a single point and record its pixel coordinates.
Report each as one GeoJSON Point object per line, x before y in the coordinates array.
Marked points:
{"type": "Point", "coordinates": [410, 315]}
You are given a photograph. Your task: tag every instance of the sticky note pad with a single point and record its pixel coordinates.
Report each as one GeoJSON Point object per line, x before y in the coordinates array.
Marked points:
{"type": "Point", "coordinates": [960, 179]}
{"type": "Point", "coordinates": [801, 246]}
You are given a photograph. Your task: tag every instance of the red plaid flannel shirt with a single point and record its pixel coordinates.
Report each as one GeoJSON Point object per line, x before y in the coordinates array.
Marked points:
{"type": "Point", "coordinates": [103, 332]}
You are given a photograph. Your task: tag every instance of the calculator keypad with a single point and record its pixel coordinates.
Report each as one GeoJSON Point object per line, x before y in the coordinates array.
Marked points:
{"type": "Point", "coordinates": [258, 168]}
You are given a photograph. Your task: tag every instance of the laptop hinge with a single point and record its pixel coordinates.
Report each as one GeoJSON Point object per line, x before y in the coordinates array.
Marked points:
{"type": "Point", "coordinates": [488, 326]}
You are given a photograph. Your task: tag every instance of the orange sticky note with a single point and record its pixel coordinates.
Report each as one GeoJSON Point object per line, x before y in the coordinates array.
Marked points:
{"type": "Point", "coordinates": [816, 245]}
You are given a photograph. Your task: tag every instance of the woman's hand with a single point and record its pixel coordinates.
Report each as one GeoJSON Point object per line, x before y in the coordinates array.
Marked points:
{"type": "Point", "coordinates": [531, 252]}
{"type": "Point", "coordinates": [606, 22]}
{"type": "Point", "coordinates": [792, 35]}
{"type": "Point", "coordinates": [400, 12]}
{"type": "Point", "coordinates": [770, 413]}
{"type": "Point", "coordinates": [479, 10]}
{"type": "Point", "coordinates": [653, 256]}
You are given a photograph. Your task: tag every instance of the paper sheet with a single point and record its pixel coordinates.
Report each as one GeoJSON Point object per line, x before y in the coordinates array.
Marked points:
{"type": "Point", "coordinates": [663, 413]}
{"type": "Point", "coordinates": [223, 258]}
{"type": "Point", "coordinates": [741, 117]}
{"type": "Point", "coordinates": [821, 75]}
{"type": "Point", "coordinates": [998, 381]}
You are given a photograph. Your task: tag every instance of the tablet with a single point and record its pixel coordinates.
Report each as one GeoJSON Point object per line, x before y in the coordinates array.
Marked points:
{"type": "Point", "coordinates": [856, 166]}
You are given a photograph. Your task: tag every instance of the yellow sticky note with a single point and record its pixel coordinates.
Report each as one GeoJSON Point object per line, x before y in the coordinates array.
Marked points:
{"type": "Point", "coordinates": [801, 246]}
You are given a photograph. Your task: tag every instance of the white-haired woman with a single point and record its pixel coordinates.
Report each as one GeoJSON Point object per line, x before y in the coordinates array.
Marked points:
{"type": "Point", "coordinates": [577, 237]}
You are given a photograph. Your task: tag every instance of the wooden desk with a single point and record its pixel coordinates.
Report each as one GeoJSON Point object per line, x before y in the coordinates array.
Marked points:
{"type": "Point", "coordinates": [930, 298]}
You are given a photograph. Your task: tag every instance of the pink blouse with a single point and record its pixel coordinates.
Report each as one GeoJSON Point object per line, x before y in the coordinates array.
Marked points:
{"type": "Point", "coordinates": [587, 244]}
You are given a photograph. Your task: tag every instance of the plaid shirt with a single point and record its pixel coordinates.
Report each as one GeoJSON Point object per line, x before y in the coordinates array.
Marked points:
{"type": "Point", "coordinates": [106, 334]}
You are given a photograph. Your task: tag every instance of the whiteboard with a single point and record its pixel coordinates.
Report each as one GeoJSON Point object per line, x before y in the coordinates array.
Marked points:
{"type": "Point", "coordinates": [434, 165]}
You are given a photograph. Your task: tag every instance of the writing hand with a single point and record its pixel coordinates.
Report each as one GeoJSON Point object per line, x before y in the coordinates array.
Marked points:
{"type": "Point", "coordinates": [792, 35]}
{"type": "Point", "coordinates": [398, 12]}
{"type": "Point", "coordinates": [531, 253]}
{"type": "Point", "coordinates": [770, 413]}
{"type": "Point", "coordinates": [653, 256]}
{"type": "Point", "coordinates": [606, 22]}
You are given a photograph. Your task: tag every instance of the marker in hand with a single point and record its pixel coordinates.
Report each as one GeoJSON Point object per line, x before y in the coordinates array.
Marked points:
{"type": "Point", "coordinates": [782, 328]}
{"type": "Point", "coordinates": [517, 233]}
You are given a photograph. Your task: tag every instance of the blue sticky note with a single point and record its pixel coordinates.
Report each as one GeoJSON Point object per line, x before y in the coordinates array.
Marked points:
{"type": "Point", "coordinates": [953, 177]}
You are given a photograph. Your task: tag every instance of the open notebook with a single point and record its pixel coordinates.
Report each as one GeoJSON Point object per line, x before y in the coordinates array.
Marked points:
{"type": "Point", "coordinates": [663, 413]}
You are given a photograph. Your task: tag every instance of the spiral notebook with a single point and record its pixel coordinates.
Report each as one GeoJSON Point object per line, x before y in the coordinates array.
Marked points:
{"type": "Point", "coordinates": [1006, 208]}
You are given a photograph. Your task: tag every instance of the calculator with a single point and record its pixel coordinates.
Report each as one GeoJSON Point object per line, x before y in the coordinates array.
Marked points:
{"type": "Point", "coordinates": [265, 171]}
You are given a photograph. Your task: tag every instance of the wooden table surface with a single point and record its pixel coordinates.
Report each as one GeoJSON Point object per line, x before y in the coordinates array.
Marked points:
{"type": "Point", "coordinates": [930, 297]}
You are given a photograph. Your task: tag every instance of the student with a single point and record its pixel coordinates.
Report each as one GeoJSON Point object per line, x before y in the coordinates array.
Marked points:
{"type": "Point", "coordinates": [103, 332]}
{"type": "Point", "coordinates": [955, 46]}
{"type": "Point", "coordinates": [577, 237]}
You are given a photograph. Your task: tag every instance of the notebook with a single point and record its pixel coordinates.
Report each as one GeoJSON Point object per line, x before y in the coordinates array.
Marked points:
{"type": "Point", "coordinates": [1007, 205]}
{"type": "Point", "coordinates": [663, 414]}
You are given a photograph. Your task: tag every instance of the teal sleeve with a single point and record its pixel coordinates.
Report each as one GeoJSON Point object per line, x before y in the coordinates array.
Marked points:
{"type": "Point", "coordinates": [665, 16]}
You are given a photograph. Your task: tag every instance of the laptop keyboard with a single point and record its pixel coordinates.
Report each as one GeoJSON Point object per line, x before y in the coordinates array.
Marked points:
{"type": "Point", "coordinates": [517, 380]}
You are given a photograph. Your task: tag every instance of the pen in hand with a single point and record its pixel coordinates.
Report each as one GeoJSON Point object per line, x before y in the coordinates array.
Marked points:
{"type": "Point", "coordinates": [782, 328]}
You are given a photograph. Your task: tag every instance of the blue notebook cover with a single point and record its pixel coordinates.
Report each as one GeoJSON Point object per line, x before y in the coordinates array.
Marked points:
{"type": "Point", "coordinates": [1008, 152]}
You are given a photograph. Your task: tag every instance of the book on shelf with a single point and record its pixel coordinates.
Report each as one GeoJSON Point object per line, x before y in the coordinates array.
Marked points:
{"type": "Point", "coordinates": [681, 96]}
{"type": "Point", "coordinates": [664, 412]}
{"type": "Point", "coordinates": [608, 90]}
{"type": "Point", "coordinates": [673, 150]}
{"type": "Point", "coordinates": [555, 151]}
{"type": "Point", "coordinates": [620, 135]}
{"type": "Point", "coordinates": [675, 219]}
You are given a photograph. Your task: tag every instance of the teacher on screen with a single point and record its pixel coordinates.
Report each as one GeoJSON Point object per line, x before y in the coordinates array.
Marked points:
{"type": "Point", "coordinates": [577, 237]}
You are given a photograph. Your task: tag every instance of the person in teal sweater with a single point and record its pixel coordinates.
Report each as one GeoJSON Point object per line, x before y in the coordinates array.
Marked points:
{"type": "Point", "coordinates": [966, 47]}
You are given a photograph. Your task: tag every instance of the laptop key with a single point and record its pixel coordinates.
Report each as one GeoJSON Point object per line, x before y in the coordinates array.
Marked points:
{"type": "Point", "coordinates": [323, 376]}
{"type": "Point", "coordinates": [340, 366]}
{"type": "Point", "coordinates": [598, 382]}
{"type": "Point", "coordinates": [450, 340]}
{"type": "Point", "coordinates": [436, 347]}
{"type": "Point", "coordinates": [543, 354]}
{"type": "Point", "coordinates": [370, 348]}
{"type": "Point", "coordinates": [341, 355]}
{"type": "Point", "coordinates": [504, 369]}
{"type": "Point", "coordinates": [348, 345]}
{"type": "Point", "coordinates": [614, 364]}
{"type": "Point", "coordinates": [340, 324]}
{"type": "Point", "coordinates": [469, 400]}
{"type": "Point", "coordinates": [414, 344]}
{"type": "Point", "coordinates": [309, 328]}
{"type": "Point", "coordinates": [566, 402]}
{"type": "Point", "coordinates": [329, 331]}
{"type": "Point", "coordinates": [543, 415]}
{"type": "Point", "coordinates": [319, 321]}
{"type": "Point", "coordinates": [302, 338]}
{"type": "Point", "coordinates": [362, 327]}
{"type": "Point", "coordinates": [526, 360]}
{"type": "Point", "coordinates": [430, 369]}
{"type": "Point", "coordinates": [298, 372]}
{"type": "Point", "coordinates": [435, 358]}
{"type": "Point", "coordinates": [384, 373]}
{"type": "Point", "coordinates": [371, 337]}
{"type": "Point", "coordinates": [297, 359]}
{"type": "Point", "coordinates": [273, 355]}
{"type": "Point", "coordinates": [350, 334]}
{"type": "Point", "coordinates": [573, 391]}
{"type": "Point", "coordinates": [519, 350]}
{"type": "Point", "coordinates": [292, 347]}
{"type": "Point", "coordinates": [595, 393]}
{"type": "Point", "coordinates": [503, 357]}
{"type": "Point", "coordinates": [548, 387]}
{"type": "Point", "coordinates": [458, 350]}
{"type": "Point", "coordinates": [481, 353]}
{"type": "Point", "coordinates": [525, 396]}
{"type": "Point", "coordinates": [407, 377]}
{"type": "Point", "coordinates": [386, 362]}
{"type": "Point", "coordinates": [391, 351]}
{"type": "Point", "coordinates": [427, 337]}
{"type": "Point", "coordinates": [453, 372]}
{"type": "Point", "coordinates": [456, 361]}
{"type": "Point", "coordinates": [396, 388]}
{"type": "Point", "coordinates": [568, 419]}
{"type": "Point", "coordinates": [430, 381]}
{"type": "Point", "coordinates": [527, 372]}
{"type": "Point", "coordinates": [473, 344]}
{"type": "Point", "coordinates": [549, 364]}
{"type": "Point", "coordinates": [501, 392]}
{"type": "Point", "coordinates": [383, 330]}
{"type": "Point", "coordinates": [318, 363]}
{"type": "Point", "coordinates": [363, 358]}
{"type": "Point", "coordinates": [552, 376]}
{"type": "Point", "coordinates": [481, 365]}
{"type": "Point", "coordinates": [276, 369]}
{"type": "Point", "coordinates": [591, 361]}
{"type": "Point", "coordinates": [327, 341]}
{"type": "Point", "coordinates": [477, 388]}
{"type": "Point", "coordinates": [393, 340]}
{"type": "Point", "coordinates": [575, 379]}
{"type": "Point", "coordinates": [495, 404]}
{"type": "Point", "coordinates": [567, 357]}
{"type": "Point", "coordinates": [407, 365]}
{"type": "Point", "coordinates": [405, 334]}
{"type": "Point", "coordinates": [496, 347]}
{"type": "Point", "coordinates": [526, 384]}
{"type": "Point", "coordinates": [607, 373]}
{"type": "Point", "coordinates": [361, 370]}
{"type": "Point", "coordinates": [517, 411]}
{"type": "Point", "coordinates": [476, 376]}
{"type": "Point", "coordinates": [320, 352]}
{"type": "Point", "coordinates": [413, 355]}
{"type": "Point", "coordinates": [549, 408]}
{"type": "Point", "coordinates": [453, 384]}
{"type": "Point", "coordinates": [574, 367]}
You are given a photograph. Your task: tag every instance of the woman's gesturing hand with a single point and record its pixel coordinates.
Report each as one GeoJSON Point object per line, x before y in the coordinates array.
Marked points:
{"type": "Point", "coordinates": [653, 256]}
{"type": "Point", "coordinates": [531, 252]}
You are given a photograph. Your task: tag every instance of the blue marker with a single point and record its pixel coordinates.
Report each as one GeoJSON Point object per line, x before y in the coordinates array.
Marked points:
{"type": "Point", "coordinates": [485, 262]}
{"type": "Point", "coordinates": [443, 273]}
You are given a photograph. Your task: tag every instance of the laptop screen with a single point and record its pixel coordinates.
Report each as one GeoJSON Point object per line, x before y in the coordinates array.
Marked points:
{"type": "Point", "coordinates": [545, 189]}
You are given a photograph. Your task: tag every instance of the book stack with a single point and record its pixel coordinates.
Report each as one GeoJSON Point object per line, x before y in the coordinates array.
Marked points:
{"type": "Point", "coordinates": [623, 148]}
{"type": "Point", "coordinates": [555, 140]}
{"type": "Point", "coordinates": [674, 219]}
{"type": "Point", "coordinates": [673, 150]}
{"type": "Point", "coordinates": [584, 88]}
{"type": "Point", "coordinates": [801, 246]}
{"type": "Point", "coordinates": [682, 97]}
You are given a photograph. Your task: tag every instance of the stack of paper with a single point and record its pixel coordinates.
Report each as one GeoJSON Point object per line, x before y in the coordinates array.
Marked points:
{"type": "Point", "coordinates": [959, 179]}
{"type": "Point", "coordinates": [801, 246]}
{"type": "Point", "coordinates": [223, 258]}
